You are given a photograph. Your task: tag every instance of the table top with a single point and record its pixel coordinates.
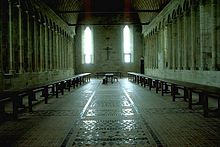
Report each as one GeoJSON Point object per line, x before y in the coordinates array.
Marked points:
{"type": "Point", "coordinates": [109, 74]}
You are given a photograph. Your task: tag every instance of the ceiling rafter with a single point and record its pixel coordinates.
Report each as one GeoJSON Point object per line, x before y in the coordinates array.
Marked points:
{"type": "Point", "coordinates": [135, 11]}
{"type": "Point", "coordinates": [73, 11]}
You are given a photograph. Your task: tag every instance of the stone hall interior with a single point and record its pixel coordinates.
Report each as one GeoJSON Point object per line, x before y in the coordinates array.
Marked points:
{"type": "Point", "coordinates": [124, 73]}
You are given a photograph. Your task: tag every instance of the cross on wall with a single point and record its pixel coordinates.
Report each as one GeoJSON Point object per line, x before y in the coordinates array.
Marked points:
{"type": "Point", "coordinates": [107, 52]}
{"type": "Point", "coordinates": [108, 49]}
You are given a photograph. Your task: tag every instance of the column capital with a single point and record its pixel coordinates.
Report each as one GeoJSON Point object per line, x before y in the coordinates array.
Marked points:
{"type": "Point", "coordinates": [18, 6]}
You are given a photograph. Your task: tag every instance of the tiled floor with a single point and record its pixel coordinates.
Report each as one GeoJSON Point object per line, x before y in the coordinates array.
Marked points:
{"type": "Point", "coordinates": [118, 114]}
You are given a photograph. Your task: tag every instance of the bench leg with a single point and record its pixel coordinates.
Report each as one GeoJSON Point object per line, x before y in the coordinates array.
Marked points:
{"type": "Point", "coordinates": [156, 84]}
{"type": "Point", "coordinates": [190, 98]}
{"type": "Point", "coordinates": [186, 94]}
{"type": "Point", "coordinates": [57, 90]}
{"type": "Point", "coordinates": [219, 106]}
{"type": "Point", "coordinates": [30, 95]}
{"type": "Point", "coordinates": [206, 106]}
{"type": "Point", "coordinates": [46, 94]}
{"type": "Point", "coordinates": [15, 107]}
{"type": "Point", "coordinates": [150, 83]}
{"type": "Point", "coordinates": [162, 88]}
{"type": "Point", "coordinates": [53, 90]}
{"type": "Point", "coordinates": [173, 92]}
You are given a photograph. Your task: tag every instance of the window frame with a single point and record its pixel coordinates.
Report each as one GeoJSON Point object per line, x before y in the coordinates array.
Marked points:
{"type": "Point", "coordinates": [124, 51]}
{"type": "Point", "coordinates": [85, 41]}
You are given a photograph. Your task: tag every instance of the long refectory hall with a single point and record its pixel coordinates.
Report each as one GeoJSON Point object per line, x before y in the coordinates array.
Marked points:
{"type": "Point", "coordinates": [137, 73]}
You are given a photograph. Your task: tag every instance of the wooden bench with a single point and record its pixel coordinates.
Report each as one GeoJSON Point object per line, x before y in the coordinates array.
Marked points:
{"type": "Point", "coordinates": [172, 87]}
{"type": "Point", "coordinates": [16, 96]}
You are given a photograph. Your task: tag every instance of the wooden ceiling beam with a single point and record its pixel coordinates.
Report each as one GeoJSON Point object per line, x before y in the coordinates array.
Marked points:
{"type": "Point", "coordinates": [117, 12]}
{"type": "Point", "coordinates": [112, 24]}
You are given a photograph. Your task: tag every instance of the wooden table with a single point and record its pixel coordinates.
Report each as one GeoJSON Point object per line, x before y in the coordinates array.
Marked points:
{"type": "Point", "coordinates": [109, 76]}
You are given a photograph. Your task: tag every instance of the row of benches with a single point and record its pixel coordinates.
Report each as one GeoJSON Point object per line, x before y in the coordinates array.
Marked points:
{"type": "Point", "coordinates": [172, 87]}
{"type": "Point", "coordinates": [53, 88]}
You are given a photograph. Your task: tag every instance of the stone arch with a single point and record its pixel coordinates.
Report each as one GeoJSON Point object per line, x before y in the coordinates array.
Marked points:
{"type": "Point", "coordinates": [179, 10]}
{"type": "Point", "coordinates": [50, 23]}
{"type": "Point", "coordinates": [160, 25]}
{"type": "Point", "coordinates": [41, 17]}
{"type": "Point", "coordinates": [46, 20]}
{"type": "Point", "coordinates": [156, 29]}
{"type": "Point", "coordinates": [54, 26]}
{"type": "Point", "coordinates": [174, 14]}
{"type": "Point", "coordinates": [163, 22]}
{"type": "Point", "coordinates": [186, 5]}
{"type": "Point", "coordinates": [169, 18]}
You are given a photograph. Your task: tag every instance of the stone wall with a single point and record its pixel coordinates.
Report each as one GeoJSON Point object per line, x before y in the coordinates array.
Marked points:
{"type": "Point", "coordinates": [115, 41]}
{"type": "Point", "coordinates": [181, 42]}
{"type": "Point", "coordinates": [36, 46]}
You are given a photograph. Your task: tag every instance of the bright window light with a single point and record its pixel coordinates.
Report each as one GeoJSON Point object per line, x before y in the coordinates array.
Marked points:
{"type": "Point", "coordinates": [87, 45]}
{"type": "Point", "coordinates": [127, 58]}
{"type": "Point", "coordinates": [127, 40]}
{"type": "Point", "coordinates": [127, 45]}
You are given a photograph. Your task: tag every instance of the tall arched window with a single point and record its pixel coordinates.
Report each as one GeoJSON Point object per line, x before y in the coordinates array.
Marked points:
{"type": "Point", "coordinates": [87, 46]}
{"type": "Point", "coordinates": [127, 45]}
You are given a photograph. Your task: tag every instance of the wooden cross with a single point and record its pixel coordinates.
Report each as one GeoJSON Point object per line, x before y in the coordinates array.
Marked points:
{"type": "Point", "coordinates": [107, 51]}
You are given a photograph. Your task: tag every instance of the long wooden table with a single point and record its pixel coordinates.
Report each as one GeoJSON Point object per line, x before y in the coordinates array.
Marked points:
{"type": "Point", "coordinates": [16, 96]}
{"type": "Point", "coordinates": [161, 84]}
{"type": "Point", "coordinates": [102, 74]}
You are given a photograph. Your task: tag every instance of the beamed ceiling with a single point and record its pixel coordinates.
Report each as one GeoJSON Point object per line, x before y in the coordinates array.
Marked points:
{"type": "Point", "coordinates": [111, 12]}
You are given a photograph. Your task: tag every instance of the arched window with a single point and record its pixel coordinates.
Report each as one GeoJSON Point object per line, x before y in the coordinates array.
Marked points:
{"type": "Point", "coordinates": [127, 45]}
{"type": "Point", "coordinates": [87, 46]}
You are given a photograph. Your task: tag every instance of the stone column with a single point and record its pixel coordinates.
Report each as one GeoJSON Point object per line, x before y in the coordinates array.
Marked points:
{"type": "Point", "coordinates": [185, 41]}
{"type": "Point", "coordinates": [21, 52]}
{"type": "Point", "coordinates": [50, 47]}
{"type": "Point", "coordinates": [179, 42]}
{"type": "Point", "coordinates": [68, 52]}
{"type": "Point", "coordinates": [203, 65]}
{"type": "Point", "coordinates": [41, 46]}
{"type": "Point", "coordinates": [213, 34]}
{"type": "Point", "coordinates": [193, 37]}
{"type": "Point", "coordinates": [46, 46]}
{"type": "Point", "coordinates": [174, 46]}
{"type": "Point", "coordinates": [58, 55]}
{"type": "Point", "coordinates": [162, 48]}
{"type": "Point", "coordinates": [57, 50]}
{"type": "Point", "coordinates": [65, 51]}
{"type": "Point", "coordinates": [11, 50]}
{"type": "Point", "coordinates": [169, 44]}
{"type": "Point", "coordinates": [60, 64]}
{"type": "Point", "coordinates": [35, 45]}
{"type": "Point", "coordinates": [29, 46]}
{"type": "Point", "coordinates": [156, 49]}
{"type": "Point", "coordinates": [150, 51]}
{"type": "Point", "coordinates": [153, 50]}
{"type": "Point", "coordinates": [62, 50]}
{"type": "Point", "coordinates": [54, 49]}
{"type": "Point", "coordinates": [146, 52]}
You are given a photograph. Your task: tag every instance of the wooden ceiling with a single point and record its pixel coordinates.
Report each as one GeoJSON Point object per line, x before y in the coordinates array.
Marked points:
{"type": "Point", "coordinates": [76, 12]}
